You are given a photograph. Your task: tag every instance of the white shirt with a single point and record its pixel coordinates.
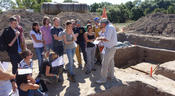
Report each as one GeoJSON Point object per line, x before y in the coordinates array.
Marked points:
{"type": "Point", "coordinates": [111, 36]}
{"type": "Point", "coordinates": [38, 37]}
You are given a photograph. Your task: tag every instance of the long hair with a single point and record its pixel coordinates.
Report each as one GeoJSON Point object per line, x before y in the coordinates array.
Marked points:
{"type": "Point", "coordinates": [44, 19]}
{"type": "Point", "coordinates": [34, 29]}
{"type": "Point", "coordinates": [89, 25]}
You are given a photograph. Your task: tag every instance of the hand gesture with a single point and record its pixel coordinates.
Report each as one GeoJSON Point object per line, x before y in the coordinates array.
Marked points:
{"type": "Point", "coordinates": [17, 33]}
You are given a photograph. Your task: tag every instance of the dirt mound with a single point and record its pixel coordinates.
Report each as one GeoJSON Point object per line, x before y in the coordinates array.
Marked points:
{"type": "Point", "coordinates": [83, 17]}
{"type": "Point", "coordinates": [155, 24]}
{"type": "Point", "coordinates": [27, 18]}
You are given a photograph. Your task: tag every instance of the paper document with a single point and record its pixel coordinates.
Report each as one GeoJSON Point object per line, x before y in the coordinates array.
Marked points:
{"type": "Point", "coordinates": [14, 93]}
{"type": "Point", "coordinates": [58, 62]}
{"type": "Point", "coordinates": [96, 42]}
{"type": "Point", "coordinates": [4, 66]}
{"type": "Point", "coordinates": [24, 71]}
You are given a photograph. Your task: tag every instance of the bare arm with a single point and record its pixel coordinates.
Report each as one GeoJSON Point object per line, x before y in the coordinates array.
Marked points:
{"type": "Point", "coordinates": [86, 38]}
{"type": "Point", "coordinates": [23, 41]}
{"type": "Point", "coordinates": [14, 39]}
{"type": "Point", "coordinates": [57, 37]}
{"type": "Point", "coordinates": [48, 72]}
{"type": "Point", "coordinates": [29, 86]}
{"type": "Point", "coordinates": [6, 76]}
{"type": "Point", "coordinates": [65, 40]}
{"type": "Point", "coordinates": [32, 80]}
{"type": "Point", "coordinates": [34, 38]}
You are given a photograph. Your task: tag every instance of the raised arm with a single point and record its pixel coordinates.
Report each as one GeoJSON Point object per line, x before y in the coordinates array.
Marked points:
{"type": "Point", "coordinates": [14, 39]}
{"type": "Point", "coordinates": [6, 76]}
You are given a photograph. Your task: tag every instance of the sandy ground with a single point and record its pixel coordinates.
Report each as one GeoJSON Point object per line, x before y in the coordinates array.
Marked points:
{"type": "Point", "coordinates": [85, 84]}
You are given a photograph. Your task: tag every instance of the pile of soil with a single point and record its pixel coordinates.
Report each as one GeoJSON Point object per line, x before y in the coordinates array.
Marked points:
{"type": "Point", "coordinates": [27, 18]}
{"type": "Point", "coordinates": [154, 24]}
{"type": "Point", "coordinates": [83, 17]}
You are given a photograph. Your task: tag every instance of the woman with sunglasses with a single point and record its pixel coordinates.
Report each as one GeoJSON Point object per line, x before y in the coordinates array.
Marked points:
{"type": "Point", "coordinates": [26, 83]}
{"type": "Point", "coordinates": [90, 49]}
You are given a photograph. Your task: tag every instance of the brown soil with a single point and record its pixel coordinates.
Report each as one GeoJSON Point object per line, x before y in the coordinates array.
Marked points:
{"type": "Point", "coordinates": [129, 82]}
{"type": "Point", "coordinates": [27, 18]}
{"type": "Point", "coordinates": [155, 24]}
{"type": "Point", "coordinates": [167, 69]}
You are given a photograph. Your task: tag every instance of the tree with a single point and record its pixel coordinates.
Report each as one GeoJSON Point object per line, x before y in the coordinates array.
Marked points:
{"type": "Point", "coordinates": [136, 13]}
{"type": "Point", "coordinates": [70, 1]}
{"type": "Point", "coordinates": [147, 11]}
{"type": "Point", "coordinates": [30, 4]}
{"type": "Point", "coordinates": [171, 10]}
{"type": "Point", "coordinates": [94, 7]}
{"type": "Point", "coordinates": [160, 10]}
{"type": "Point", "coordinates": [6, 4]}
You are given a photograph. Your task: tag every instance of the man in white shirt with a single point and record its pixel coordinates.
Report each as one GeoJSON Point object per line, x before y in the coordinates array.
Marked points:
{"type": "Point", "coordinates": [110, 41]}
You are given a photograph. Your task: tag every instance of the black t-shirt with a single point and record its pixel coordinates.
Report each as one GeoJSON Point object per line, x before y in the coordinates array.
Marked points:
{"type": "Point", "coordinates": [44, 64]}
{"type": "Point", "coordinates": [58, 32]}
{"type": "Point", "coordinates": [90, 44]}
{"type": "Point", "coordinates": [80, 31]}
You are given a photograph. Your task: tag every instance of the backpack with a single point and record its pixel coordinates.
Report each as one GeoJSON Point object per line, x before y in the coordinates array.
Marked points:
{"type": "Point", "coordinates": [3, 45]}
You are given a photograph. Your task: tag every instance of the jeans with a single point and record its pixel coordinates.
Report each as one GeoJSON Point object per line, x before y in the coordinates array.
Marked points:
{"type": "Point", "coordinates": [70, 54]}
{"type": "Point", "coordinates": [39, 52]}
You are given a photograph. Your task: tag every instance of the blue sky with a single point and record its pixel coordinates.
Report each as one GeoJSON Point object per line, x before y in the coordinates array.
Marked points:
{"type": "Point", "coordinates": [97, 1]}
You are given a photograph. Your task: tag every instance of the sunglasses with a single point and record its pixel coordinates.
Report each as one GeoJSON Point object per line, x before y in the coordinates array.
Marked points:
{"type": "Point", "coordinates": [30, 54]}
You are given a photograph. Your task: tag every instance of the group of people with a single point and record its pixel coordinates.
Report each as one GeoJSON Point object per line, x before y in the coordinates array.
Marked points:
{"type": "Point", "coordinates": [96, 42]}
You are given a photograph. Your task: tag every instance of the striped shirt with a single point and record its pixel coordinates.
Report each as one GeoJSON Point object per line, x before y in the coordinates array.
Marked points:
{"type": "Point", "coordinates": [24, 65]}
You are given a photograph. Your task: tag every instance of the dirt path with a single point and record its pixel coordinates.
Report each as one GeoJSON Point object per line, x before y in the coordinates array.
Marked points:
{"type": "Point", "coordinates": [85, 84]}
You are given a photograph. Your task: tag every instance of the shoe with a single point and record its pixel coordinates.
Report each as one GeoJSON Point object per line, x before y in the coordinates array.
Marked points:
{"type": "Point", "coordinates": [100, 81]}
{"type": "Point", "coordinates": [93, 69]}
{"type": "Point", "coordinates": [87, 72]}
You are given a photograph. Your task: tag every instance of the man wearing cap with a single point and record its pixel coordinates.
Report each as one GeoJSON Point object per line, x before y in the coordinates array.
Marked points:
{"type": "Point", "coordinates": [110, 41]}
{"type": "Point", "coordinates": [97, 29]}
{"type": "Point", "coordinates": [80, 43]}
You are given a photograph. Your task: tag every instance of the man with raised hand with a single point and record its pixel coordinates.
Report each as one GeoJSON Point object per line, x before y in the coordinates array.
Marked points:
{"type": "Point", "coordinates": [12, 40]}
